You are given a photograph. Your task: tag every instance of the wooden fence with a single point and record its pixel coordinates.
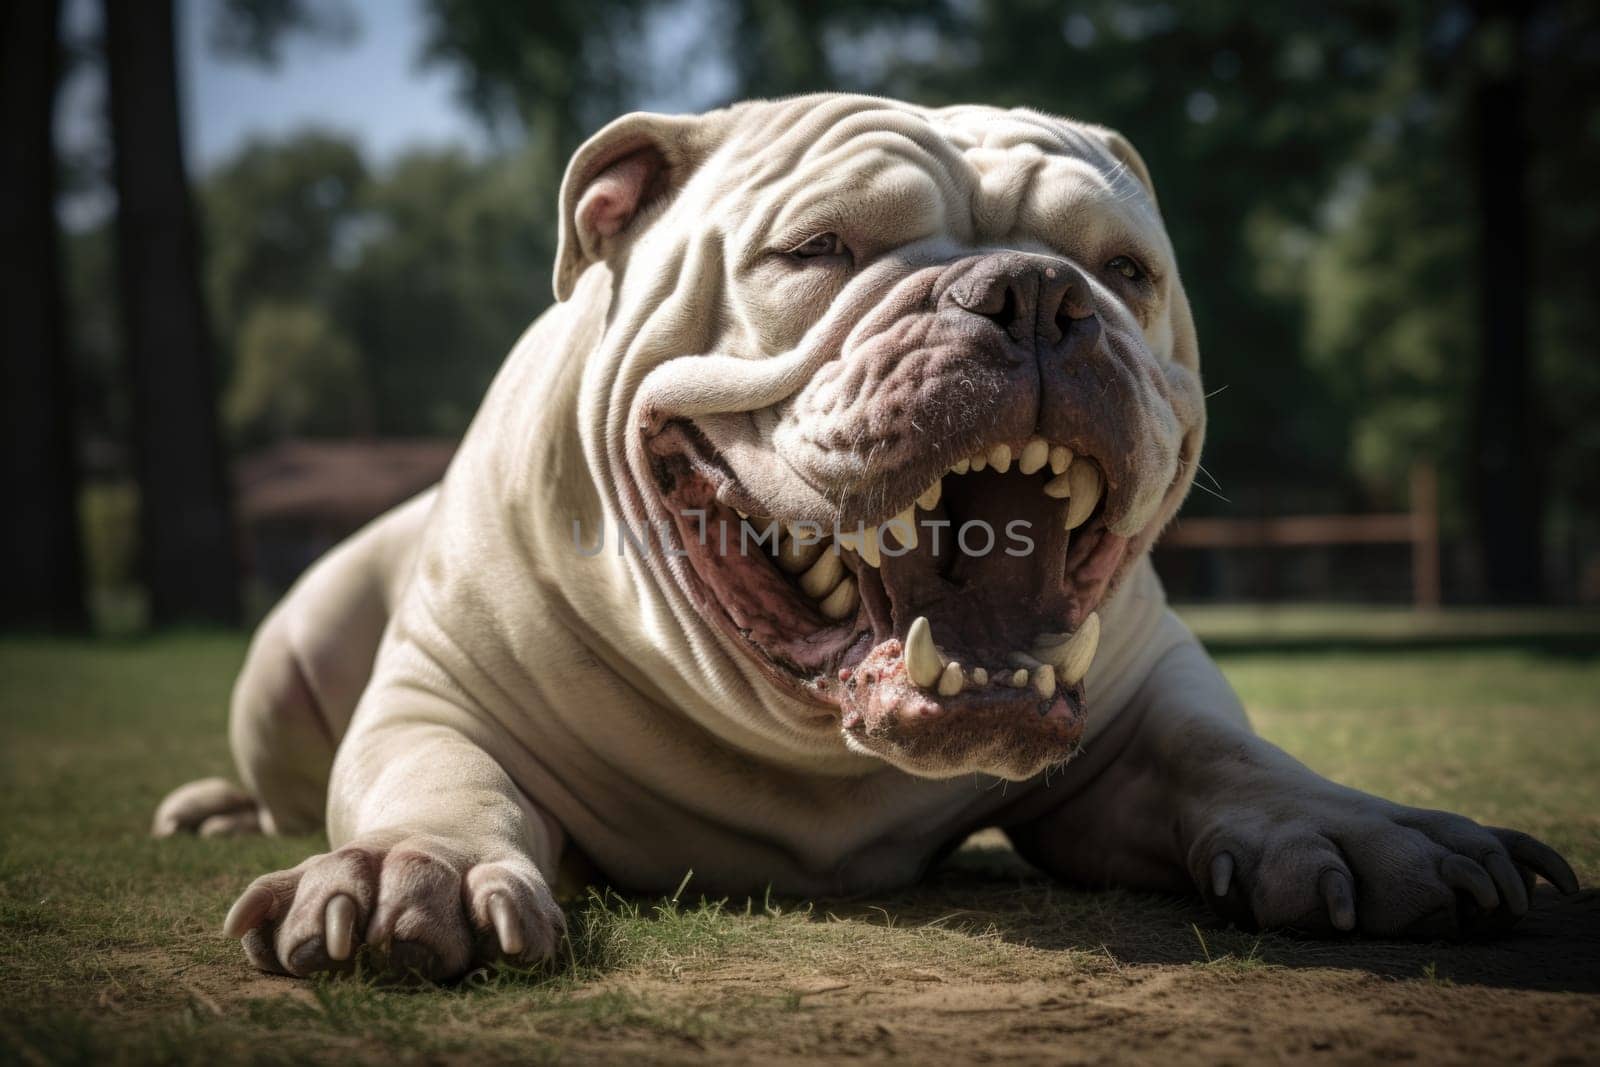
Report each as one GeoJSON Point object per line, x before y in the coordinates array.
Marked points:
{"type": "Point", "coordinates": [1418, 527]}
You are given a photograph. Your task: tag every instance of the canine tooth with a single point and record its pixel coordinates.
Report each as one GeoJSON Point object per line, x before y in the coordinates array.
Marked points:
{"type": "Point", "coordinates": [1060, 459]}
{"type": "Point", "coordinates": [979, 461]}
{"type": "Point", "coordinates": [1035, 454]}
{"type": "Point", "coordinates": [841, 603]}
{"type": "Point", "coordinates": [1044, 681]}
{"type": "Point", "coordinates": [1018, 679]}
{"type": "Point", "coordinates": [922, 659]}
{"type": "Point", "coordinates": [980, 677]}
{"type": "Point", "coordinates": [1059, 487]}
{"type": "Point", "coordinates": [960, 466]}
{"type": "Point", "coordinates": [930, 496]}
{"type": "Point", "coordinates": [1000, 458]}
{"type": "Point", "coordinates": [1072, 656]}
{"type": "Point", "coordinates": [1085, 478]}
{"type": "Point", "coordinates": [951, 682]}
{"type": "Point", "coordinates": [903, 528]}
{"type": "Point", "coordinates": [741, 514]}
{"type": "Point", "coordinates": [824, 574]}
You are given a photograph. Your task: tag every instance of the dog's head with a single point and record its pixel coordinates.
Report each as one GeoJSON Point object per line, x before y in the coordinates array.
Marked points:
{"type": "Point", "coordinates": [942, 361]}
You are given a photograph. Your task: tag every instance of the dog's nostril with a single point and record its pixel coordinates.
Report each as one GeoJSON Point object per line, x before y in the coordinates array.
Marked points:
{"type": "Point", "coordinates": [1008, 310]}
{"type": "Point", "coordinates": [1075, 305]}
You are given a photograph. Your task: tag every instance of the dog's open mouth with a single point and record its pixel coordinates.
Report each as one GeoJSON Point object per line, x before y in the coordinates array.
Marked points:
{"type": "Point", "coordinates": [976, 600]}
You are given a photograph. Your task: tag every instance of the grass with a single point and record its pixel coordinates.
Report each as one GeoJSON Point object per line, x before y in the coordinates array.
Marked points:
{"type": "Point", "coordinates": [111, 951]}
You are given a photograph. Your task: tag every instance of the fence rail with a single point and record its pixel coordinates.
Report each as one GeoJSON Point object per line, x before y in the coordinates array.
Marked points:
{"type": "Point", "coordinates": [1418, 527]}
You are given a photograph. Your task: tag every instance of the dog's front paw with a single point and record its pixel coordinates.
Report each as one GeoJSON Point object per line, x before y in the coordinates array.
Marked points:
{"type": "Point", "coordinates": [1337, 860]}
{"type": "Point", "coordinates": [420, 906]}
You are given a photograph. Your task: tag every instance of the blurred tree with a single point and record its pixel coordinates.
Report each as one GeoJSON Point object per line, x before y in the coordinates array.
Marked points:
{"type": "Point", "coordinates": [294, 375]}
{"type": "Point", "coordinates": [429, 268]}
{"type": "Point", "coordinates": [549, 72]}
{"type": "Point", "coordinates": [254, 30]}
{"type": "Point", "coordinates": [1562, 43]}
{"type": "Point", "coordinates": [282, 221]}
{"type": "Point", "coordinates": [453, 264]}
{"type": "Point", "coordinates": [1508, 474]}
{"type": "Point", "coordinates": [38, 471]}
{"type": "Point", "coordinates": [186, 533]}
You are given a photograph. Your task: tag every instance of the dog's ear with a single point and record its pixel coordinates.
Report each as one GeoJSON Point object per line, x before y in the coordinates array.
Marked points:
{"type": "Point", "coordinates": [631, 166]}
{"type": "Point", "coordinates": [1124, 153]}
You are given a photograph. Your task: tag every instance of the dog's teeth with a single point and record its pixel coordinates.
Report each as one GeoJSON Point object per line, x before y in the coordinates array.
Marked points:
{"type": "Point", "coordinates": [903, 528]}
{"type": "Point", "coordinates": [741, 514]}
{"type": "Point", "coordinates": [1085, 495]}
{"type": "Point", "coordinates": [793, 557]}
{"type": "Point", "coordinates": [1000, 458]}
{"type": "Point", "coordinates": [1035, 454]}
{"type": "Point", "coordinates": [868, 549]}
{"type": "Point", "coordinates": [1044, 681]}
{"type": "Point", "coordinates": [865, 543]}
{"type": "Point", "coordinates": [922, 659]}
{"type": "Point", "coordinates": [842, 602]}
{"type": "Point", "coordinates": [961, 466]}
{"type": "Point", "coordinates": [1060, 459]}
{"type": "Point", "coordinates": [1059, 487]}
{"type": "Point", "coordinates": [951, 682]}
{"type": "Point", "coordinates": [1022, 659]}
{"type": "Point", "coordinates": [930, 496]}
{"type": "Point", "coordinates": [1018, 678]}
{"type": "Point", "coordinates": [979, 461]}
{"type": "Point", "coordinates": [980, 677]}
{"type": "Point", "coordinates": [1072, 656]}
{"type": "Point", "coordinates": [818, 581]}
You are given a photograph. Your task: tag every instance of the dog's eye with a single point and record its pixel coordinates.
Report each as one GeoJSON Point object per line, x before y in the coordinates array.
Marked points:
{"type": "Point", "coordinates": [823, 244]}
{"type": "Point", "coordinates": [1126, 267]}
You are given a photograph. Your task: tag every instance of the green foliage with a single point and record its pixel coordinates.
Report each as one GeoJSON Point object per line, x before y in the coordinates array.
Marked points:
{"type": "Point", "coordinates": [453, 263]}
{"type": "Point", "coordinates": [294, 374]}
{"type": "Point", "coordinates": [279, 223]}
{"type": "Point", "coordinates": [353, 301]}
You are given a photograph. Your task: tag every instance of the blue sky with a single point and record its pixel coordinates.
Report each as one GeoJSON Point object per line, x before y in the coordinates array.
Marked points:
{"type": "Point", "coordinates": [374, 88]}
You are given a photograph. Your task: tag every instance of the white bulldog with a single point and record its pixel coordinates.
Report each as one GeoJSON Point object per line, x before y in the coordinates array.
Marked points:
{"type": "Point", "coordinates": [943, 360]}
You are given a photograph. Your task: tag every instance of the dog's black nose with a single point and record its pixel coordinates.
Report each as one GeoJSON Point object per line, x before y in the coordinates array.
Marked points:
{"type": "Point", "coordinates": [1032, 298]}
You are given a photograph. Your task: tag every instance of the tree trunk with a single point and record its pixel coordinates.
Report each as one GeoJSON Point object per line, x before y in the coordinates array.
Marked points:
{"type": "Point", "coordinates": [38, 471]}
{"type": "Point", "coordinates": [185, 527]}
{"type": "Point", "coordinates": [1509, 472]}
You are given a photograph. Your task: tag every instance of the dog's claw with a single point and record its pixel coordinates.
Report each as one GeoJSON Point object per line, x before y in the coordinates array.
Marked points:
{"type": "Point", "coordinates": [1508, 882]}
{"type": "Point", "coordinates": [1339, 895]}
{"type": "Point", "coordinates": [1462, 874]}
{"type": "Point", "coordinates": [339, 922]}
{"type": "Point", "coordinates": [1539, 857]}
{"type": "Point", "coordinates": [248, 912]}
{"type": "Point", "coordinates": [506, 926]}
{"type": "Point", "coordinates": [1221, 873]}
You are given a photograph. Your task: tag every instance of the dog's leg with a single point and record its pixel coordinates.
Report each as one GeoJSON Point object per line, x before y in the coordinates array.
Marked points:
{"type": "Point", "coordinates": [306, 668]}
{"type": "Point", "coordinates": [1181, 795]}
{"type": "Point", "coordinates": [441, 861]}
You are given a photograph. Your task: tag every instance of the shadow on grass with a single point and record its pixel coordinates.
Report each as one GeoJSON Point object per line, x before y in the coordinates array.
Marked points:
{"type": "Point", "coordinates": [989, 890]}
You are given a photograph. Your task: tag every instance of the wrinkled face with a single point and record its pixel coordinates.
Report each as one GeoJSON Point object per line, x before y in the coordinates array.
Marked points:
{"type": "Point", "coordinates": [951, 381]}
